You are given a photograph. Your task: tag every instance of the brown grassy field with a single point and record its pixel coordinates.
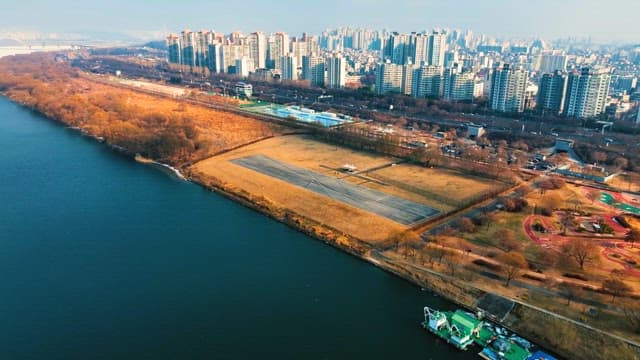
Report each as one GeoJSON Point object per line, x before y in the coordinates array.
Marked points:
{"type": "Point", "coordinates": [303, 151]}
{"type": "Point", "coordinates": [450, 183]}
{"type": "Point", "coordinates": [311, 155]}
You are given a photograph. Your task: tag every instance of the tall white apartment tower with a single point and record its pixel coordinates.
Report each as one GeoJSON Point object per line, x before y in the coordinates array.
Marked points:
{"type": "Point", "coordinates": [258, 49]}
{"type": "Point", "coordinates": [436, 48]}
{"type": "Point", "coordinates": [587, 92]}
{"type": "Point", "coordinates": [552, 61]}
{"type": "Point", "coordinates": [313, 69]}
{"type": "Point", "coordinates": [278, 47]}
{"type": "Point", "coordinates": [289, 67]}
{"type": "Point", "coordinates": [389, 78]}
{"type": "Point", "coordinates": [336, 71]}
{"type": "Point", "coordinates": [508, 87]}
{"type": "Point", "coordinates": [427, 82]}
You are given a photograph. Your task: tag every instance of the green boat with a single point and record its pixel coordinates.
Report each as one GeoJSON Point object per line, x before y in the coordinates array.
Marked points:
{"type": "Point", "coordinates": [463, 330]}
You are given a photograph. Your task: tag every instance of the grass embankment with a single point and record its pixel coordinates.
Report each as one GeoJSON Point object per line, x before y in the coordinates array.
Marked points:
{"type": "Point", "coordinates": [306, 153]}
{"type": "Point", "coordinates": [162, 129]}
{"type": "Point", "coordinates": [321, 231]}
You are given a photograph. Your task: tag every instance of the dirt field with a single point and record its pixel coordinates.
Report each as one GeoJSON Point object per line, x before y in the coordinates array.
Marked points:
{"type": "Point", "coordinates": [326, 159]}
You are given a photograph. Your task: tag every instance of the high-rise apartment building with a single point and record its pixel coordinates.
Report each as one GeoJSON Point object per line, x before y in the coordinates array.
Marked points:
{"type": "Point", "coordinates": [244, 66]}
{"type": "Point", "coordinates": [396, 48]}
{"type": "Point", "coordinates": [418, 48]}
{"type": "Point", "coordinates": [458, 85]}
{"type": "Point", "coordinates": [313, 69]}
{"type": "Point", "coordinates": [625, 83]}
{"type": "Point", "coordinates": [508, 87]}
{"type": "Point", "coordinates": [299, 49]}
{"type": "Point", "coordinates": [587, 92]}
{"type": "Point", "coordinates": [174, 52]}
{"type": "Point", "coordinates": [278, 47]}
{"type": "Point", "coordinates": [427, 82]}
{"type": "Point", "coordinates": [553, 61]}
{"type": "Point", "coordinates": [436, 48]}
{"type": "Point", "coordinates": [202, 40]}
{"type": "Point", "coordinates": [258, 49]}
{"type": "Point", "coordinates": [229, 53]}
{"type": "Point", "coordinates": [336, 71]}
{"type": "Point", "coordinates": [552, 91]}
{"type": "Point", "coordinates": [389, 78]}
{"type": "Point", "coordinates": [188, 49]}
{"type": "Point", "coordinates": [215, 59]}
{"type": "Point", "coordinates": [289, 67]}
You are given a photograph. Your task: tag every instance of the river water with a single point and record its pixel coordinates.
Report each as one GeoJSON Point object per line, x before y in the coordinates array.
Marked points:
{"type": "Point", "coordinates": [105, 258]}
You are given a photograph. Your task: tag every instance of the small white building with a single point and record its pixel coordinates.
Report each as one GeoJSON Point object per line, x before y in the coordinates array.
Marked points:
{"type": "Point", "coordinates": [475, 131]}
{"type": "Point", "coordinates": [244, 89]}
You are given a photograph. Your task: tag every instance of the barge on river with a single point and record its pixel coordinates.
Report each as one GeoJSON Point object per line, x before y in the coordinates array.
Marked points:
{"type": "Point", "coordinates": [464, 330]}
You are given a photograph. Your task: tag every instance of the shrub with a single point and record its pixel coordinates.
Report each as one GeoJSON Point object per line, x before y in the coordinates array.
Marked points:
{"type": "Point", "coordinates": [546, 211]}
{"type": "Point", "coordinates": [533, 277]}
{"type": "Point", "coordinates": [514, 204]}
{"type": "Point", "coordinates": [575, 276]}
{"type": "Point", "coordinates": [486, 264]}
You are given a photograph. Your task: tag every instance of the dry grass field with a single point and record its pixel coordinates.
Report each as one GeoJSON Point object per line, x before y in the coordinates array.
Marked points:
{"type": "Point", "coordinates": [304, 152]}
{"type": "Point", "coordinates": [449, 183]}
{"type": "Point", "coordinates": [308, 154]}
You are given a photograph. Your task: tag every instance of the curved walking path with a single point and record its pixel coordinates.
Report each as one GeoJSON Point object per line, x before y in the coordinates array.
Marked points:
{"type": "Point", "coordinates": [612, 249]}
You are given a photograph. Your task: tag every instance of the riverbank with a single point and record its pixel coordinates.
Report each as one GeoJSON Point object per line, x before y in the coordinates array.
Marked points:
{"type": "Point", "coordinates": [162, 166]}
{"type": "Point", "coordinates": [583, 345]}
{"type": "Point", "coordinates": [563, 336]}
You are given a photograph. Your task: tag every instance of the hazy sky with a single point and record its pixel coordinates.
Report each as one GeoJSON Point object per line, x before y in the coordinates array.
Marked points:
{"type": "Point", "coordinates": [603, 20]}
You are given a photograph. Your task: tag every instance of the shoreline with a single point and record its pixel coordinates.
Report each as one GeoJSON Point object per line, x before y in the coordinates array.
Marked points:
{"type": "Point", "coordinates": [162, 166]}
{"type": "Point", "coordinates": [453, 290]}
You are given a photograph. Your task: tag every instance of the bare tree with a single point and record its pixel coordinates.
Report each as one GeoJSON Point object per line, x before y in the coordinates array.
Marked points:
{"type": "Point", "coordinates": [581, 250]}
{"type": "Point", "coordinates": [513, 264]}
{"type": "Point", "coordinates": [633, 236]}
{"type": "Point", "coordinates": [507, 240]}
{"type": "Point", "coordinates": [467, 225]}
{"type": "Point", "coordinates": [615, 287]}
{"type": "Point", "coordinates": [451, 262]}
{"type": "Point", "coordinates": [567, 220]}
{"type": "Point", "coordinates": [433, 253]}
{"type": "Point", "coordinates": [551, 202]}
{"type": "Point", "coordinates": [413, 245]}
{"type": "Point", "coordinates": [632, 316]}
{"type": "Point", "coordinates": [570, 291]}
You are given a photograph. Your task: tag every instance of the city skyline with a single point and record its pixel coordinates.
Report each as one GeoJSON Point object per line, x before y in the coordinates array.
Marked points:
{"type": "Point", "coordinates": [549, 20]}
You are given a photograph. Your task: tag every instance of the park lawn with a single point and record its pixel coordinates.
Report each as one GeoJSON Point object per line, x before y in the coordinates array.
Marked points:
{"type": "Point", "coordinates": [450, 184]}
{"type": "Point", "coordinates": [484, 236]}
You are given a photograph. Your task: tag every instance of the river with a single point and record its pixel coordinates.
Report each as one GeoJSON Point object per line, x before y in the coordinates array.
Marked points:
{"type": "Point", "coordinates": [102, 257]}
